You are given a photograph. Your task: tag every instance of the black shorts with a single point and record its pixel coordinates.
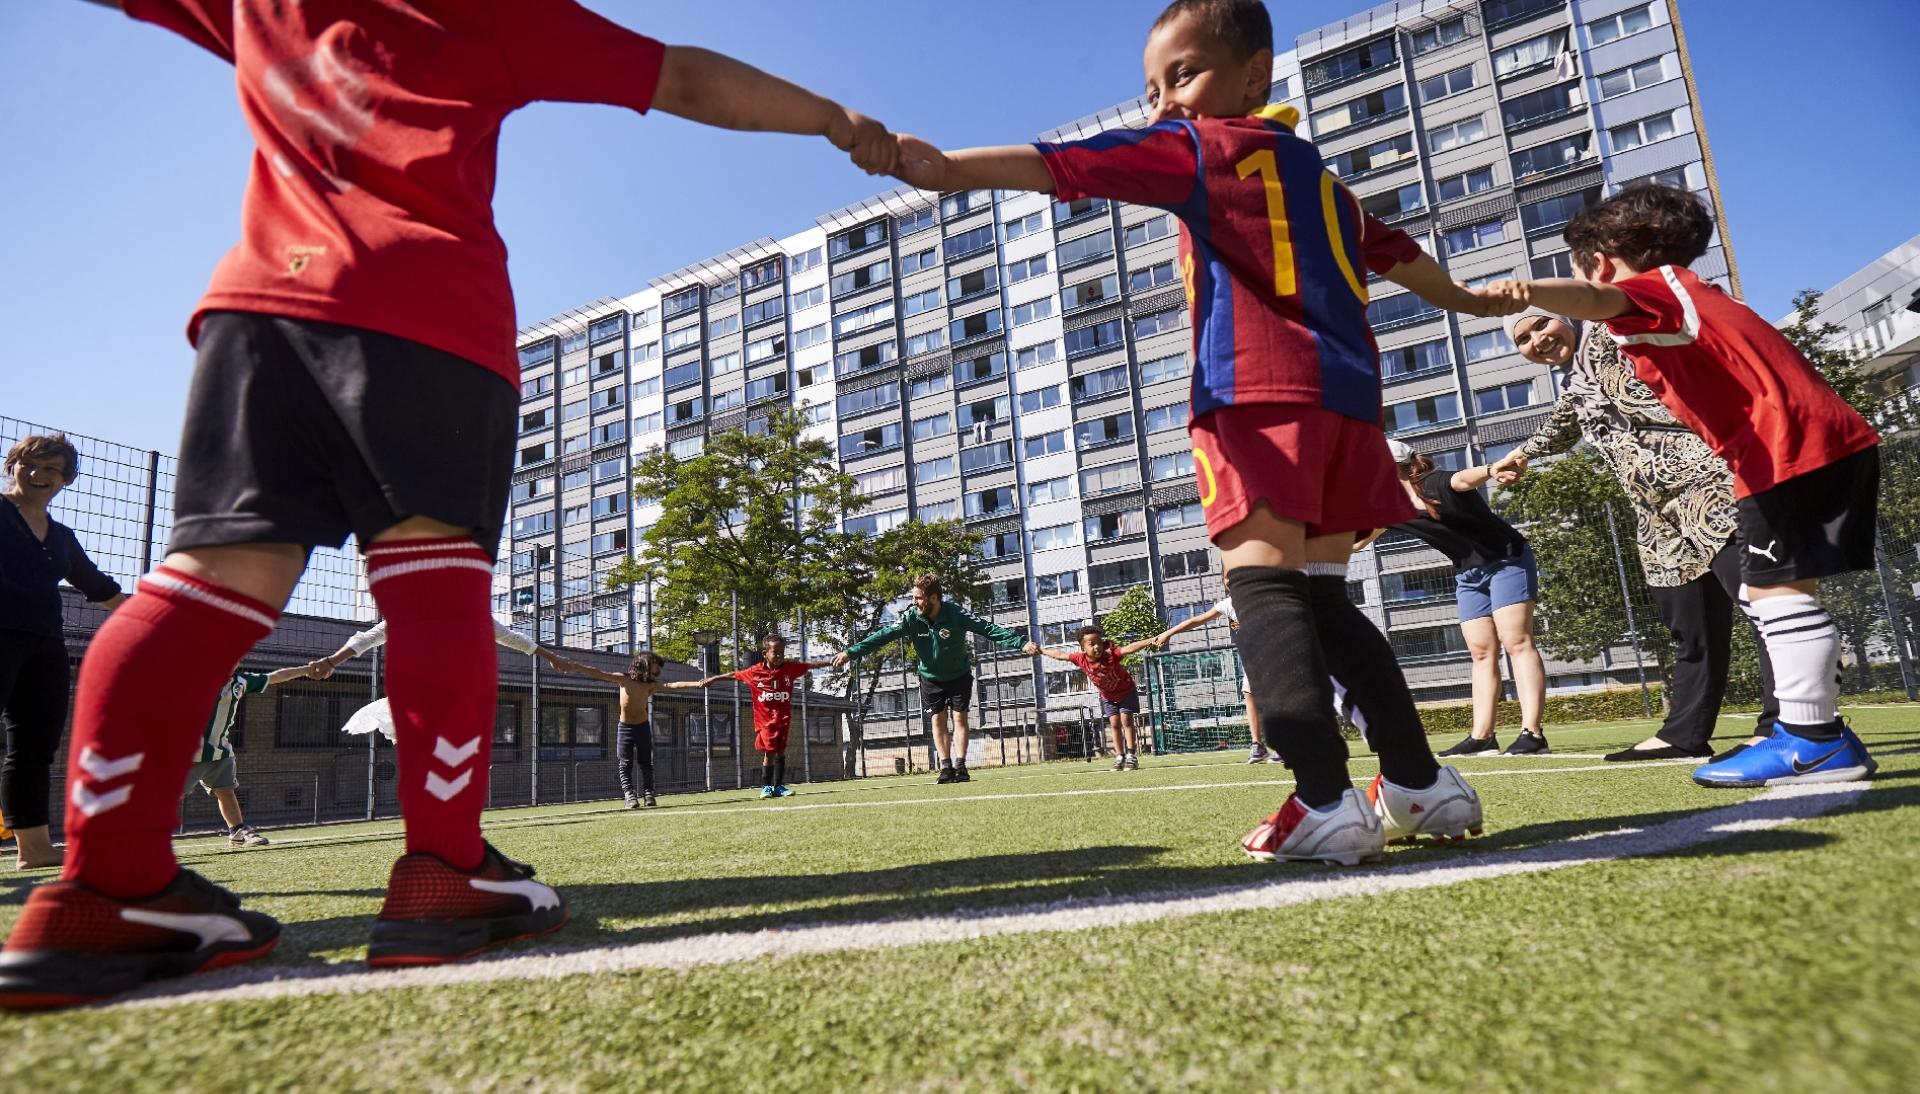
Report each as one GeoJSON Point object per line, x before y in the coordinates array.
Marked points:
{"type": "Point", "coordinates": [306, 432]}
{"type": "Point", "coordinates": [1129, 705]}
{"type": "Point", "coordinates": [1814, 525]}
{"type": "Point", "coordinates": [954, 694]}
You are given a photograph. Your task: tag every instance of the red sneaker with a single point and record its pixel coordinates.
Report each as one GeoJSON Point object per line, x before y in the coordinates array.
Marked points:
{"type": "Point", "coordinates": [1346, 833]}
{"type": "Point", "coordinates": [435, 914]}
{"type": "Point", "coordinates": [74, 944]}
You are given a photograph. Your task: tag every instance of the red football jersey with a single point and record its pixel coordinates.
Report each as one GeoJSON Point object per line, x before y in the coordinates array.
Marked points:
{"type": "Point", "coordinates": [1274, 252]}
{"type": "Point", "coordinates": [1107, 674]}
{"type": "Point", "coordinates": [1734, 380]}
{"type": "Point", "coordinates": [375, 127]}
{"type": "Point", "coordinates": [773, 692]}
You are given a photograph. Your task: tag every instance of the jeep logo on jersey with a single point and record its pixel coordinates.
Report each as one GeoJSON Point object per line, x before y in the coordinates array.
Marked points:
{"type": "Point", "coordinates": [775, 696]}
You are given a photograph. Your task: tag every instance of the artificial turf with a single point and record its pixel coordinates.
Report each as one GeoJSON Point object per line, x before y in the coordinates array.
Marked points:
{"type": "Point", "coordinates": [1783, 959]}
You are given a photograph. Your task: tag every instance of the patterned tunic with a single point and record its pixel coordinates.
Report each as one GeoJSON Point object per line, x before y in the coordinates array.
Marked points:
{"type": "Point", "coordinates": [1682, 494]}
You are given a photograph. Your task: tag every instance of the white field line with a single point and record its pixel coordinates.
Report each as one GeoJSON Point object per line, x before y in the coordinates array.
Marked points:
{"type": "Point", "coordinates": [1771, 809]}
{"type": "Point", "coordinates": [694, 812]}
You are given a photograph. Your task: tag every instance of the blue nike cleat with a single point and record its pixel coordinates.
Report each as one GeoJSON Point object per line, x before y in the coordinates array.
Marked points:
{"type": "Point", "coordinates": [766, 791]}
{"type": "Point", "coordinates": [1786, 758]}
{"type": "Point", "coordinates": [783, 791]}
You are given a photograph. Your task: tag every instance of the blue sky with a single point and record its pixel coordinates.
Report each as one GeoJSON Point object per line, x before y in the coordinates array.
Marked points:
{"type": "Point", "coordinates": [126, 158]}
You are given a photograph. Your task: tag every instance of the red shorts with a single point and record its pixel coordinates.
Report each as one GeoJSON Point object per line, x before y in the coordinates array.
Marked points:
{"type": "Point", "coordinates": [1326, 470]}
{"type": "Point", "coordinates": [771, 738]}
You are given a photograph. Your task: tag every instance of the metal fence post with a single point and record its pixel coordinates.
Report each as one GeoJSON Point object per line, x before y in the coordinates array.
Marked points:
{"type": "Point", "coordinates": [373, 739]}
{"type": "Point", "coordinates": [148, 510]}
{"type": "Point", "coordinates": [533, 753]}
{"type": "Point", "coordinates": [739, 773]}
{"type": "Point", "coordinates": [1894, 621]}
{"type": "Point", "coordinates": [806, 738]}
{"type": "Point", "coordinates": [1626, 601]}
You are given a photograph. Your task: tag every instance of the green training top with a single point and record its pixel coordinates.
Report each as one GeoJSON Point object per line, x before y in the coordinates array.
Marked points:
{"type": "Point", "coordinates": [939, 643]}
{"type": "Point", "coordinates": [217, 741]}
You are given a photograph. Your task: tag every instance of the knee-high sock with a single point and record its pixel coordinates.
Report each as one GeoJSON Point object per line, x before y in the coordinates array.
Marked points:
{"type": "Point", "coordinates": [1804, 646]}
{"type": "Point", "coordinates": [147, 687]}
{"type": "Point", "coordinates": [1287, 671]}
{"type": "Point", "coordinates": [1362, 662]}
{"type": "Point", "coordinates": [780, 770]}
{"type": "Point", "coordinates": [441, 679]}
{"type": "Point", "coordinates": [766, 770]}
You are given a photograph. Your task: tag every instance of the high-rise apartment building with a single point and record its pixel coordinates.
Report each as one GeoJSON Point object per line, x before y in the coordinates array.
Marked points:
{"type": "Point", "coordinates": [1021, 363]}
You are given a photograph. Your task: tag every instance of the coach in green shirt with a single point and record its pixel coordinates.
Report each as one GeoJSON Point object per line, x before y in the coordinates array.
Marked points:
{"type": "Point", "coordinates": [938, 632]}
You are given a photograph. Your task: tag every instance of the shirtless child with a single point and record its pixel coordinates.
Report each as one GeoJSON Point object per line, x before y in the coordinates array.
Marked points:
{"type": "Point", "coordinates": [634, 741]}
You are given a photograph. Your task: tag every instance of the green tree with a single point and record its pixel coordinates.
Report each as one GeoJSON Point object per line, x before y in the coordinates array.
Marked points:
{"type": "Point", "coordinates": [1131, 619]}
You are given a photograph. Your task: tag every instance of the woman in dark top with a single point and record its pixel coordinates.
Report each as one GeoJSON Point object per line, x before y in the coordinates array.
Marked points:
{"type": "Point", "coordinates": [1496, 584]}
{"type": "Point", "coordinates": [36, 554]}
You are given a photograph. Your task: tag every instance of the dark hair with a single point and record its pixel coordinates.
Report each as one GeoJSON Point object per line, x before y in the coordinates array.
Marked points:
{"type": "Point", "coordinates": [929, 584]}
{"type": "Point", "coordinates": [39, 447]}
{"type": "Point", "coordinates": [773, 640]}
{"type": "Point", "coordinates": [646, 663]}
{"type": "Point", "coordinates": [1646, 226]}
{"type": "Point", "coordinates": [1091, 629]}
{"type": "Point", "coordinates": [1422, 467]}
{"type": "Point", "coordinates": [1242, 24]}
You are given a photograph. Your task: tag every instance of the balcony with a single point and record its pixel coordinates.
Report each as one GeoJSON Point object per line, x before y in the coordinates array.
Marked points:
{"type": "Point", "coordinates": [1499, 15]}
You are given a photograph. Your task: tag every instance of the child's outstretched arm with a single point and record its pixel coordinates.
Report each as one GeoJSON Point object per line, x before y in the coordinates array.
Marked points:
{"type": "Point", "coordinates": [1561, 295]}
{"type": "Point", "coordinates": [1047, 653]}
{"type": "Point", "coordinates": [1200, 620]}
{"type": "Point", "coordinates": [1004, 167]}
{"type": "Point", "coordinates": [1431, 282]}
{"type": "Point", "coordinates": [703, 86]}
{"type": "Point", "coordinates": [1132, 648]}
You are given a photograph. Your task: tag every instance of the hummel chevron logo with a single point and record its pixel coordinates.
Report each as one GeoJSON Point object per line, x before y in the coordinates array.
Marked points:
{"type": "Point", "coordinates": [101, 770]}
{"type": "Point", "coordinates": [95, 804]}
{"type": "Point", "coordinates": [446, 753]}
{"type": "Point", "coordinates": [209, 928]}
{"type": "Point", "coordinates": [538, 895]}
{"type": "Point", "coordinates": [1766, 554]}
{"type": "Point", "coordinates": [444, 789]}
{"type": "Point", "coordinates": [1803, 768]}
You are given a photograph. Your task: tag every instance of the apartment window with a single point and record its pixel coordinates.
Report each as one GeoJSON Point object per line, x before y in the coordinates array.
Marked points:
{"type": "Point", "coordinates": [1186, 564]}
{"type": "Point", "coordinates": [538, 385]}
{"type": "Point", "coordinates": [866, 357]}
{"type": "Point", "coordinates": [573, 514]}
{"type": "Point", "coordinates": [920, 302]}
{"type": "Point", "coordinates": [969, 285]}
{"type": "Point", "coordinates": [609, 363]}
{"type": "Point", "coordinates": [983, 503]}
{"type": "Point", "coordinates": [1109, 478]}
{"type": "Point", "coordinates": [648, 352]}
{"type": "Point", "coordinates": [858, 239]}
{"type": "Point", "coordinates": [978, 370]}
{"type": "Point", "coordinates": [1455, 187]}
{"type": "Point", "coordinates": [687, 448]}
{"type": "Point", "coordinates": [607, 542]}
{"type": "Point", "coordinates": [682, 338]}
{"type": "Point", "coordinates": [1105, 430]}
{"type": "Point", "coordinates": [881, 438]}
{"type": "Point", "coordinates": [767, 387]}
{"type": "Point", "coordinates": [1035, 355]}
{"type": "Point", "coordinates": [1106, 576]}
{"type": "Point", "coordinates": [771, 308]}
{"type": "Point", "coordinates": [1057, 535]}
{"type": "Point", "coordinates": [762, 274]}
{"type": "Point", "coordinates": [807, 260]}
{"type": "Point", "coordinates": [811, 336]}
{"type": "Point", "coordinates": [981, 411]}
{"type": "Point", "coordinates": [680, 303]}
{"type": "Point", "coordinates": [1420, 413]}
{"type": "Point", "coordinates": [1474, 236]}
{"type": "Point", "coordinates": [1045, 444]}
{"type": "Point", "coordinates": [1493, 400]}
{"type": "Point", "coordinates": [1040, 398]}
{"type": "Point", "coordinates": [986, 457]}
{"type": "Point", "coordinates": [1439, 36]}
{"type": "Point", "coordinates": [1180, 516]}
{"type": "Point", "coordinates": [1367, 108]}
{"type": "Point", "coordinates": [608, 470]}
{"type": "Point", "coordinates": [686, 411]}
{"type": "Point", "coordinates": [1632, 78]}
{"type": "Point", "coordinates": [575, 375]}
{"type": "Point", "coordinates": [1619, 26]}
{"type": "Point", "coordinates": [1378, 156]}
{"type": "Point", "coordinates": [726, 364]}
{"type": "Point", "coordinates": [608, 397]}
{"type": "Point", "coordinates": [1151, 278]}
{"type": "Point", "coordinates": [853, 403]}
{"type": "Point", "coordinates": [1172, 466]}
{"type": "Point", "coordinates": [1031, 312]}
{"type": "Point", "coordinates": [1541, 216]}
{"type": "Point", "coordinates": [1501, 12]}
{"type": "Point", "coordinates": [647, 423]}
{"type": "Point", "coordinates": [1428, 643]}
{"type": "Point", "coordinates": [1645, 131]}
{"type": "Point", "coordinates": [1539, 106]}
{"type": "Point", "coordinates": [807, 298]}
{"type": "Point", "coordinates": [931, 426]}
{"type": "Point", "coordinates": [1022, 270]}
{"type": "Point", "coordinates": [934, 511]}
{"type": "Point", "coordinates": [969, 242]}
{"type": "Point", "coordinates": [1435, 88]}
{"type": "Point", "coordinates": [954, 205]}
{"type": "Point", "coordinates": [929, 385]}
{"type": "Point", "coordinates": [1398, 310]}
{"type": "Point", "coordinates": [1099, 290]}
{"type": "Point", "coordinates": [1097, 385]}
{"type": "Point", "coordinates": [766, 349]}
{"type": "Point", "coordinates": [1066, 212]}
{"type": "Point", "coordinates": [1087, 248]}
{"type": "Point", "coordinates": [1487, 345]}
{"type": "Point", "coordinates": [1462, 132]}
{"type": "Point", "coordinates": [1115, 526]}
{"type": "Point", "coordinates": [1025, 226]}
{"type": "Point", "coordinates": [1160, 322]}
{"type": "Point", "coordinates": [608, 505]}
{"type": "Point", "coordinates": [1061, 584]}
{"type": "Point", "coordinates": [917, 221]}
{"type": "Point", "coordinates": [873, 524]}
{"type": "Point", "coordinates": [884, 481]}
{"type": "Point", "coordinates": [530, 489]}
{"type": "Point", "coordinates": [726, 290]}
{"type": "Point", "coordinates": [1164, 368]}
{"type": "Point", "coordinates": [539, 419]}
{"type": "Point", "coordinates": [1391, 204]}
{"type": "Point", "coordinates": [536, 453]}
{"type": "Point", "coordinates": [1408, 586]}
{"type": "Point", "coordinates": [576, 480]}
{"type": "Point", "coordinates": [537, 354]}
{"type": "Point", "coordinates": [533, 523]}
{"type": "Point", "coordinates": [1350, 64]}
{"type": "Point", "coordinates": [977, 325]}
{"type": "Point", "coordinates": [1554, 265]}
{"type": "Point", "coordinates": [866, 277]}
{"type": "Point", "coordinates": [1530, 54]}
{"type": "Point", "coordinates": [573, 410]}
{"type": "Point", "coordinates": [1159, 419]}
{"type": "Point", "coordinates": [1148, 230]}
{"type": "Point", "coordinates": [934, 470]}
{"type": "Point", "coordinates": [920, 260]}
{"type": "Point", "coordinates": [1047, 490]}
{"type": "Point", "coordinates": [727, 400]}
{"type": "Point", "coordinates": [1551, 156]}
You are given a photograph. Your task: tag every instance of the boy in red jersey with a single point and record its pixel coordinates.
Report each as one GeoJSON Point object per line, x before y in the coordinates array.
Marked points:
{"type": "Point", "coordinates": [1105, 666]}
{"type": "Point", "coordinates": [356, 375]}
{"type": "Point", "coordinates": [1806, 466]}
{"type": "Point", "coordinates": [1288, 448]}
{"type": "Point", "coordinates": [771, 684]}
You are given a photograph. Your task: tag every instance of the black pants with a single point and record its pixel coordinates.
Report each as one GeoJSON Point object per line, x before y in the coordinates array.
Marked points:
{"type": "Point", "coordinates": [1700, 616]}
{"type": "Point", "coordinates": [35, 681]}
{"type": "Point", "coordinates": [633, 744]}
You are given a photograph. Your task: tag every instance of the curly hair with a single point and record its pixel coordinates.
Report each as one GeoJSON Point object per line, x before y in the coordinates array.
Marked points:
{"type": "Point", "coordinates": [1646, 226]}
{"type": "Point", "coordinates": [1242, 24]}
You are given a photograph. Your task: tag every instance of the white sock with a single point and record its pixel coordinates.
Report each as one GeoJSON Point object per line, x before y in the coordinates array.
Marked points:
{"type": "Point", "coordinates": [1804, 646]}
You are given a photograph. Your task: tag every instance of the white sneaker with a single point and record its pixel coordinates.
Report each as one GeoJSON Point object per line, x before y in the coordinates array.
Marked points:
{"type": "Point", "coordinates": [1448, 811]}
{"type": "Point", "coordinates": [1274, 758]}
{"type": "Point", "coordinates": [1257, 754]}
{"type": "Point", "coordinates": [1347, 833]}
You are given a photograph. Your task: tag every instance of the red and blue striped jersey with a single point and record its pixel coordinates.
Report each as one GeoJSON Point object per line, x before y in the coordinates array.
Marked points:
{"type": "Point", "coordinates": [1274, 252]}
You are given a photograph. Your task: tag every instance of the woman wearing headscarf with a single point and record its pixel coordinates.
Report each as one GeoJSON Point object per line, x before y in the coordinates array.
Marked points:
{"type": "Point", "coordinates": [1684, 516]}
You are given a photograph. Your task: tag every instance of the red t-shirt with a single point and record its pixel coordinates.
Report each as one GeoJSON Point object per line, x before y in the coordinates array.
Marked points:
{"type": "Point", "coordinates": [1107, 674]}
{"type": "Point", "coordinates": [773, 691]}
{"type": "Point", "coordinates": [1734, 380]}
{"type": "Point", "coordinates": [375, 127]}
{"type": "Point", "coordinates": [1274, 252]}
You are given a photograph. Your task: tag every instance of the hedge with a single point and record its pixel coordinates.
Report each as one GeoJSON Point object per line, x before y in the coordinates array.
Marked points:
{"type": "Point", "coordinates": [1592, 706]}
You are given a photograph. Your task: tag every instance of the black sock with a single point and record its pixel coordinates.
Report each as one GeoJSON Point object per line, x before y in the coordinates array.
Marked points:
{"type": "Point", "coordinates": [1822, 733]}
{"type": "Point", "coordinates": [947, 764]}
{"type": "Point", "coordinates": [1360, 657]}
{"type": "Point", "coordinates": [766, 771]}
{"type": "Point", "coordinates": [1287, 671]}
{"type": "Point", "coordinates": [780, 770]}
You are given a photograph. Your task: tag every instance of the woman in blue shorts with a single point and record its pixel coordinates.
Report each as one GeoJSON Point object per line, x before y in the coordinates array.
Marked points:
{"type": "Point", "coordinates": [1497, 583]}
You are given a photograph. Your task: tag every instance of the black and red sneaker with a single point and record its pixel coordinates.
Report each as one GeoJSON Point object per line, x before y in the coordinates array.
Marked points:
{"type": "Point", "coordinates": [74, 944]}
{"type": "Point", "coordinates": [435, 913]}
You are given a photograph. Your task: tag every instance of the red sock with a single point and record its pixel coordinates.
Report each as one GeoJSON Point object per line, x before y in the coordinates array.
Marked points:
{"type": "Point", "coordinates": [147, 687]}
{"type": "Point", "coordinates": [441, 681]}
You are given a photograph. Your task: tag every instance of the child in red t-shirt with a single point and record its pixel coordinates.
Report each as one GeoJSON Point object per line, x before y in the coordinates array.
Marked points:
{"type": "Point", "coordinates": [1105, 666]}
{"type": "Point", "coordinates": [1289, 454]}
{"type": "Point", "coordinates": [356, 375]}
{"type": "Point", "coordinates": [771, 684]}
{"type": "Point", "coordinates": [1806, 465]}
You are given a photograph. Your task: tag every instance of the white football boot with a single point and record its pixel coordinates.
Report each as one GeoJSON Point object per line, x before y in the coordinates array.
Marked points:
{"type": "Point", "coordinates": [1448, 811]}
{"type": "Point", "coordinates": [1347, 833]}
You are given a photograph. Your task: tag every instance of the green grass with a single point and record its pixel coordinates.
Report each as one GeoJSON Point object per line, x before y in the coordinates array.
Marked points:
{"type": "Point", "coordinates": [1777, 960]}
